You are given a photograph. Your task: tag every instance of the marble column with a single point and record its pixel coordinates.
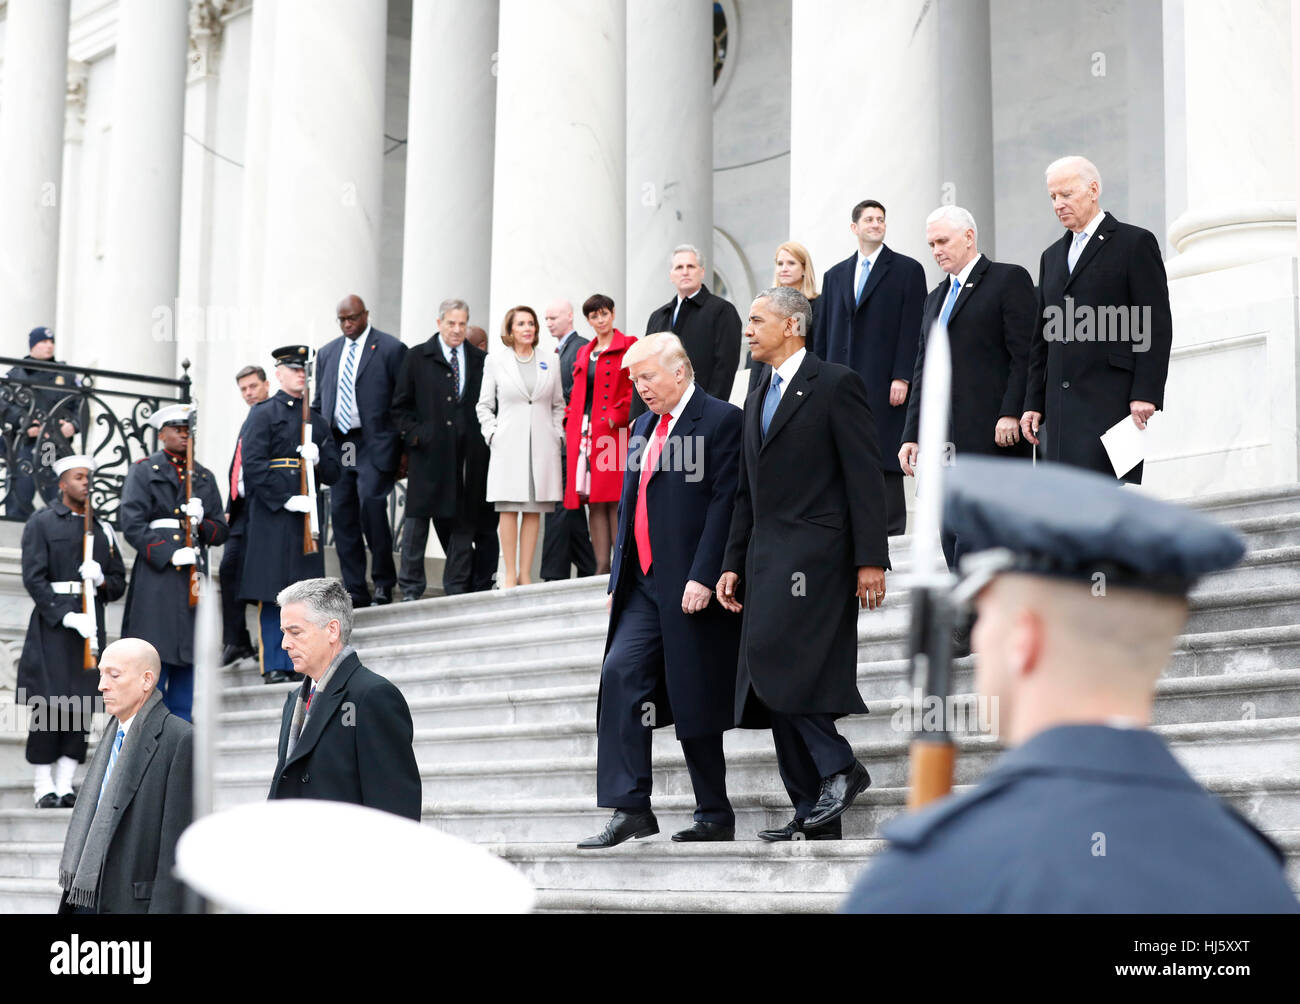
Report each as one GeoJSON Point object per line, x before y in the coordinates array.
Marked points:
{"type": "Point", "coordinates": [559, 213]}
{"type": "Point", "coordinates": [31, 134]}
{"type": "Point", "coordinates": [324, 169]}
{"type": "Point", "coordinates": [252, 218]}
{"type": "Point", "coordinates": [74, 130]}
{"type": "Point", "coordinates": [669, 145]}
{"type": "Point", "coordinates": [966, 118]}
{"type": "Point", "coordinates": [451, 132]}
{"type": "Point", "coordinates": [144, 188]}
{"type": "Point", "coordinates": [1238, 168]}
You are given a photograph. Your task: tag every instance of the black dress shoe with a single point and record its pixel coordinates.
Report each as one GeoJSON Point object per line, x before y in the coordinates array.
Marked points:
{"type": "Point", "coordinates": [383, 596]}
{"type": "Point", "coordinates": [622, 826]}
{"type": "Point", "coordinates": [837, 794]}
{"type": "Point", "coordinates": [68, 800]}
{"type": "Point", "coordinates": [409, 597]}
{"type": "Point", "coordinates": [48, 801]}
{"type": "Point", "coordinates": [701, 831]}
{"type": "Point", "coordinates": [233, 653]}
{"type": "Point", "coordinates": [961, 641]}
{"type": "Point", "coordinates": [360, 602]}
{"type": "Point", "coordinates": [831, 831]}
{"type": "Point", "coordinates": [278, 676]}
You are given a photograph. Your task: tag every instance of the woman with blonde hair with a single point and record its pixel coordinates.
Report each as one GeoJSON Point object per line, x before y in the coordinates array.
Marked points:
{"type": "Point", "coordinates": [794, 268]}
{"type": "Point", "coordinates": [521, 412]}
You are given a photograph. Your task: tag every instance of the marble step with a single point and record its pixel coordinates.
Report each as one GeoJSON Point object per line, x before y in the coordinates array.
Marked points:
{"type": "Point", "coordinates": [28, 895]}
{"type": "Point", "coordinates": [30, 860]}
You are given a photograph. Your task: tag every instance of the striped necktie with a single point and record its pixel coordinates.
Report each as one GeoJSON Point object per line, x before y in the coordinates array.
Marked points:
{"type": "Point", "coordinates": [343, 413]}
{"type": "Point", "coordinates": [112, 762]}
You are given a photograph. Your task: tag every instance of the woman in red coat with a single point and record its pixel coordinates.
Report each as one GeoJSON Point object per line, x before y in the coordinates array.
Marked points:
{"type": "Point", "coordinates": [595, 427]}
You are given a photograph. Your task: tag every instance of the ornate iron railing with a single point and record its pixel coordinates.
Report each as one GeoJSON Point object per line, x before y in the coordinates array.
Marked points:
{"type": "Point", "coordinates": [107, 411]}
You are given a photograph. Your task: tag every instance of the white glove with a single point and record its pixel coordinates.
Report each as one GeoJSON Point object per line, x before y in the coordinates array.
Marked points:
{"type": "Point", "coordinates": [83, 624]}
{"type": "Point", "coordinates": [183, 556]}
{"type": "Point", "coordinates": [310, 452]}
{"type": "Point", "coordinates": [91, 570]}
{"type": "Point", "coordinates": [298, 503]}
{"type": "Point", "coordinates": [194, 508]}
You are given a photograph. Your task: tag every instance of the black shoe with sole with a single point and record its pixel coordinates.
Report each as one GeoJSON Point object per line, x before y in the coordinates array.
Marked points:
{"type": "Point", "coordinates": [703, 831]}
{"type": "Point", "coordinates": [623, 825]}
{"type": "Point", "coordinates": [796, 830]}
{"type": "Point", "coordinates": [837, 794]}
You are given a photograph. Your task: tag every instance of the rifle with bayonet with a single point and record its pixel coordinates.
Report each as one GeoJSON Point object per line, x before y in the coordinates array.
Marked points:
{"type": "Point", "coordinates": [307, 472]}
{"type": "Point", "coordinates": [90, 655]}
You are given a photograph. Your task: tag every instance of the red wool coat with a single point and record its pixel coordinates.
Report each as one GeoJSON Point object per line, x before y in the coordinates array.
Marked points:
{"type": "Point", "coordinates": [609, 421]}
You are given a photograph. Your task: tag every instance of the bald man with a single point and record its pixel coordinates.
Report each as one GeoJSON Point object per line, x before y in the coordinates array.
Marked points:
{"type": "Point", "coordinates": [136, 799]}
{"type": "Point", "coordinates": [566, 542]}
{"type": "Point", "coordinates": [355, 376]}
{"type": "Point", "coordinates": [477, 337]}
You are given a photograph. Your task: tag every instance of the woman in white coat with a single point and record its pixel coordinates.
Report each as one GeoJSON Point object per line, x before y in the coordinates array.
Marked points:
{"type": "Point", "coordinates": [521, 412]}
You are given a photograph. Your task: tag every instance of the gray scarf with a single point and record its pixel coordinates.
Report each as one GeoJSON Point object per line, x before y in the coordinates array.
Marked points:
{"type": "Point", "coordinates": [300, 706]}
{"type": "Point", "coordinates": [90, 831]}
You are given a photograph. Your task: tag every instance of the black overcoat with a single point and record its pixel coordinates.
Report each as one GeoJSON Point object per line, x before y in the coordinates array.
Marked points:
{"type": "Point", "coordinates": [689, 500]}
{"type": "Point", "coordinates": [158, 602]}
{"type": "Point", "coordinates": [271, 434]}
{"type": "Point", "coordinates": [810, 510]}
{"type": "Point", "coordinates": [989, 331]}
{"type": "Point", "coordinates": [710, 329]}
{"type": "Point", "coordinates": [447, 457]}
{"type": "Point", "coordinates": [53, 655]}
{"type": "Point", "coordinates": [1083, 387]}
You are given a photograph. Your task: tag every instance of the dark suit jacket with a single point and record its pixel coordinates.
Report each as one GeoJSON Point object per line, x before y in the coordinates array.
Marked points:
{"type": "Point", "coordinates": [709, 328]}
{"type": "Point", "coordinates": [373, 386]}
{"type": "Point", "coordinates": [567, 358]}
{"type": "Point", "coordinates": [155, 805]}
{"type": "Point", "coordinates": [989, 330]}
{"type": "Point", "coordinates": [355, 745]}
{"type": "Point", "coordinates": [877, 337]}
{"type": "Point", "coordinates": [447, 457]}
{"type": "Point", "coordinates": [1020, 842]}
{"type": "Point", "coordinates": [1082, 388]}
{"type": "Point", "coordinates": [810, 510]}
{"type": "Point", "coordinates": [689, 500]}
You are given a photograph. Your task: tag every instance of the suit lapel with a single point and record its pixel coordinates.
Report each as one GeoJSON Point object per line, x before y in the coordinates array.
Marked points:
{"type": "Point", "coordinates": [878, 270]}
{"type": "Point", "coordinates": [364, 356]}
{"type": "Point", "coordinates": [793, 397]}
{"type": "Point", "coordinates": [846, 287]}
{"type": "Point", "coordinates": [326, 704]}
{"type": "Point", "coordinates": [968, 289]}
{"type": "Point", "coordinates": [512, 374]}
{"type": "Point", "coordinates": [1096, 244]}
{"type": "Point", "coordinates": [286, 723]}
{"type": "Point", "coordinates": [139, 761]}
{"type": "Point", "coordinates": [683, 426]}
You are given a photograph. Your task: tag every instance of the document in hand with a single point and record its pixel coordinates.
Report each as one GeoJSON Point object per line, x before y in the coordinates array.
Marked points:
{"type": "Point", "coordinates": [1126, 445]}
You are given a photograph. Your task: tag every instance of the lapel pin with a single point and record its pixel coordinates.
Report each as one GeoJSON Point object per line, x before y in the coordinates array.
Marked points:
{"type": "Point", "coordinates": [798, 393]}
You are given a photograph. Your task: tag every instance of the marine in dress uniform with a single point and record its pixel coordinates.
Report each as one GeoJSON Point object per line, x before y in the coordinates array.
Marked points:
{"type": "Point", "coordinates": [1088, 812]}
{"type": "Point", "coordinates": [273, 453]}
{"type": "Point", "coordinates": [156, 503]}
{"type": "Point", "coordinates": [50, 671]}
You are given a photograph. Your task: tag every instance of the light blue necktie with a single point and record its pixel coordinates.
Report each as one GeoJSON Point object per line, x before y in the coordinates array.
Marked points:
{"type": "Point", "coordinates": [343, 414]}
{"type": "Point", "coordinates": [112, 761]}
{"type": "Point", "coordinates": [862, 279]}
{"type": "Point", "coordinates": [1076, 249]}
{"type": "Point", "coordinates": [771, 401]}
{"type": "Point", "coordinates": [952, 298]}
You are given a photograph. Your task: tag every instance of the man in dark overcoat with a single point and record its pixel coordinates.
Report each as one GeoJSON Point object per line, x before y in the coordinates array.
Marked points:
{"type": "Point", "coordinates": [670, 654]}
{"type": "Point", "coordinates": [273, 454]}
{"type": "Point", "coordinates": [447, 459]}
{"type": "Point", "coordinates": [157, 503]}
{"type": "Point", "coordinates": [807, 544]}
{"type": "Point", "coordinates": [52, 680]}
{"type": "Point", "coordinates": [1100, 352]}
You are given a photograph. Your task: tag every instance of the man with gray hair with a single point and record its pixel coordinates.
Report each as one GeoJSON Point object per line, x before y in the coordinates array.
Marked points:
{"type": "Point", "coordinates": [1100, 352]}
{"type": "Point", "coordinates": [447, 459]}
{"type": "Point", "coordinates": [345, 736]}
{"type": "Point", "coordinates": [988, 308]}
{"type": "Point", "coordinates": [708, 326]}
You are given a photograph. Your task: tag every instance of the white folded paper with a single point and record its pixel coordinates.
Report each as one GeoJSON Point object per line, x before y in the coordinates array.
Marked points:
{"type": "Point", "coordinates": [1125, 444]}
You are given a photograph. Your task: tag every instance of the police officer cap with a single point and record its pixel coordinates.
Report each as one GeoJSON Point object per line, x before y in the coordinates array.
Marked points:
{"type": "Point", "coordinates": [1061, 521]}
{"type": "Point", "coordinates": [293, 356]}
{"type": "Point", "coordinates": [175, 414]}
{"type": "Point", "coordinates": [38, 335]}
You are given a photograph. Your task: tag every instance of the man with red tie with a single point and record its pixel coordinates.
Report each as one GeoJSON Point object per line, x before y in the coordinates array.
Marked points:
{"type": "Point", "coordinates": [670, 654]}
{"type": "Point", "coordinates": [254, 388]}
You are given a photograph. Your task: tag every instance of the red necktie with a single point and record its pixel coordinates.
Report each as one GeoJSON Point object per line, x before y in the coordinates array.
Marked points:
{"type": "Point", "coordinates": [234, 471]}
{"type": "Point", "coordinates": [641, 522]}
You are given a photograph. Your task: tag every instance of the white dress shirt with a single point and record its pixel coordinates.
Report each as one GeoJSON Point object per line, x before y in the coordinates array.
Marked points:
{"type": "Point", "coordinates": [964, 274]}
{"type": "Point", "coordinates": [787, 370]}
{"type": "Point", "coordinates": [857, 272]}
{"type": "Point", "coordinates": [356, 366]}
{"type": "Point", "coordinates": [460, 361]}
{"type": "Point", "coordinates": [1088, 230]}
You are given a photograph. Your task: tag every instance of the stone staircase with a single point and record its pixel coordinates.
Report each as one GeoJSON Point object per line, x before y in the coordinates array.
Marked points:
{"type": "Point", "coordinates": [502, 688]}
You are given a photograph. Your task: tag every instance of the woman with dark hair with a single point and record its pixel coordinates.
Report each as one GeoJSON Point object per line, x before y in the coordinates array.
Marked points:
{"type": "Point", "coordinates": [596, 427]}
{"type": "Point", "coordinates": [521, 412]}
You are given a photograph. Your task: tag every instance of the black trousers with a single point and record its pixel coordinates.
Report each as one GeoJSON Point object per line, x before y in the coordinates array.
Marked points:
{"type": "Point", "coordinates": [359, 512]}
{"type": "Point", "coordinates": [566, 541]}
{"type": "Point", "coordinates": [629, 679]}
{"type": "Point", "coordinates": [472, 552]}
{"type": "Point", "coordinates": [808, 749]}
{"type": "Point", "coordinates": [234, 626]}
{"type": "Point", "coordinates": [895, 504]}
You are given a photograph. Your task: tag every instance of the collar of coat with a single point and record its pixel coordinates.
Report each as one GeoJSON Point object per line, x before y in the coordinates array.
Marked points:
{"type": "Point", "coordinates": [699, 298]}
{"type": "Point", "coordinates": [618, 342]}
{"type": "Point", "coordinates": [329, 695]}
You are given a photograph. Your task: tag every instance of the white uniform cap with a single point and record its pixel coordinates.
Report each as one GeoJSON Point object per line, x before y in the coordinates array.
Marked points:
{"type": "Point", "coordinates": [71, 463]}
{"type": "Point", "coordinates": [172, 413]}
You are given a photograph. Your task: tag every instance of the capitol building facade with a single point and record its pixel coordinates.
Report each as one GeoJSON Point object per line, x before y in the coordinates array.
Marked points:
{"type": "Point", "coordinates": [204, 180]}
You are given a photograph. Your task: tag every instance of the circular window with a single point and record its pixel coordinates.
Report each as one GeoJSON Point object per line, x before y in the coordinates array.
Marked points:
{"type": "Point", "coordinates": [719, 40]}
